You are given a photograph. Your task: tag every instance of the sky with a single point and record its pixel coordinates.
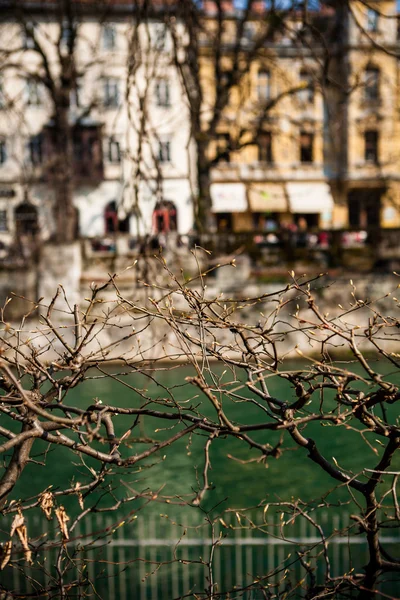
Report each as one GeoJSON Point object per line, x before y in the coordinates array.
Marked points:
{"type": "Point", "coordinates": [242, 3]}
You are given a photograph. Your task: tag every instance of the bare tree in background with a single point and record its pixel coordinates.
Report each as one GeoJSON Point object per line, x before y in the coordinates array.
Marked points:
{"type": "Point", "coordinates": [61, 47]}
{"type": "Point", "coordinates": [216, 55]}
{"type": "Point", "coordinates": [53, 56]}
{"type": "Point", "coordinates": [156, 107]}
{"type": "Point", "coordinates": [217, 58]}
{"type": "Point", "coordinates": [328, 43]}
{"type": "Point", "coordinates": [228, 362]}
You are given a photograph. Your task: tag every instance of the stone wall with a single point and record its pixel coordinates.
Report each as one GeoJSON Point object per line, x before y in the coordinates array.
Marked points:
{"type": "Point", "coordinates": [60, 264]}
{"type": "Point", "coordinates": [20, 285]}
{"type": "Point", "coordinates": [141, 281]}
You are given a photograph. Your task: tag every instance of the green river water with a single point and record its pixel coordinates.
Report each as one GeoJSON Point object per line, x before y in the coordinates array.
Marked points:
{"type": "Point", "coordinates": [234, 484]}
{"type": "Point", "coordinates": [293, 475]}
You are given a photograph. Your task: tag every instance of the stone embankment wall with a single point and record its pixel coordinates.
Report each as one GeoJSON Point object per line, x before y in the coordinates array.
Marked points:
{"type": "Point", "coordinates": [133, 334]}
{"type": "Point", "coordinates": [18, 287]}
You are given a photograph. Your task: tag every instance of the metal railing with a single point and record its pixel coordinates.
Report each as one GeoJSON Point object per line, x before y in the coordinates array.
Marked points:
{"type": "Point", "coordinates": [152, 556]}
{"type": "Point", "coordinates": [332, 247]}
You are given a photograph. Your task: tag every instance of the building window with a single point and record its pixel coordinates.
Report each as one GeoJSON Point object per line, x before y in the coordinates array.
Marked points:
{"type": "Point", "coordinates": [224, 222]}
{"type": "Point", "coordinates": [163, 92]}
{"type": "Point", "coordinates": [36, 150]}
{"type": "Point", "coordinates": [3, 152]}
{"type": "Point", "coordinates": [33, 92]}
{"type": "Point", "coordinates": [112, 222]}
{"type": "Point", "coordinates": [3, 221]}
{"type": "Point", "coordinates": [75, 95]}
{"type": "Point", "coordinates": [248, 33]}
{"type": "Point", "coordinates": [2, 96]}
{"type": "Point", "coordinates": [164, 151]}
{"type": "Point", "coordinates": [165, 217]}
{"type": "Point", "coordinates": [364, 206]}
{"type": "Point", "coordinates": [111, 217]}
{"type": "Point", "coordinates": [28, 41]}
{"type": "Point", "coordinates": [109, 37]}
{"type": "Point", "coordinates": [111, 92]}
{"type": "Point", "coordinates": [372, 20]}
{"type": "Point", "coordinates": [307, 94]}
{"type": "Point", "coordinates": [371, 83]}
{"type": "Point", "coordinates": [26, 219]}
{"type": "Point", "coordinates": [223, 147]}
{"type": "Point", "coordinates": [114, 151]}
{"type": "Point", "coordinates": [159, 36]}
{"type": "Point", "coordinates": [66, 35]}
{"type": "Point", "coordinates": [88, 153]}
{"type": "Point", "coordinates": [306, 147]}
{"type": "Point", "coordinates": [371, 146]}
{"type": "Point", "coordinates": [265, 147]}
{"type": "Point", "coordinates": [263, 85]}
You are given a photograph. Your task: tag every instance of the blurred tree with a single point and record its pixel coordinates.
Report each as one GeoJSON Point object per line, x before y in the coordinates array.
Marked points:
{"type": "Point", "coordinates": [46, 57]}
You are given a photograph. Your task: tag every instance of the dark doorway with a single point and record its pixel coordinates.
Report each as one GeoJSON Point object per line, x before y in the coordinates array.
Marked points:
{"type": "Point", "coordinates": [365, 207]}
{"type": "Point", "coordinates": [165, 217]}
{"type": "Point", "coordinates": [87, 151]}
{"type": "Point", "coordinates": [88, 154]}
{"type": "Point", "coordinates": [224, 222]}
{"type": "Point", "coordinates": [77, 226]}
{"type": "Point", "coordinates": [26, 219]}
{"type": "Point", "coordinates": [306, 220]}
{"type": "Point", "coordinates": [112, 223]}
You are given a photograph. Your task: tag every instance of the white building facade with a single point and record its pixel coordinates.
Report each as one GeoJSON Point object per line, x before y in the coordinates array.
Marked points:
{"type": "Point", "coordinates": [133, 156]}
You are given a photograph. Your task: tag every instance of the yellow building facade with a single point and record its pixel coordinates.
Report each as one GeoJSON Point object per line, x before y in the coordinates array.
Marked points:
{"type": "Point", "coordinates": [372, 183]}
{"type": "Point", "coordinates": [310, 134]}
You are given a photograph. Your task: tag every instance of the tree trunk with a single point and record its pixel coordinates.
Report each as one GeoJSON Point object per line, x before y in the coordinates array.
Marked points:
{"type": "Point", "coordinates": [64, 210]}
{"type": "Point", "coordinates": [204, 218]}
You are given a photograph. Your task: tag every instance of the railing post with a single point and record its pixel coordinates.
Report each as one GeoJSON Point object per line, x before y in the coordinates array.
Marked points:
{"type": "Point", "coordinates": [336, 248]}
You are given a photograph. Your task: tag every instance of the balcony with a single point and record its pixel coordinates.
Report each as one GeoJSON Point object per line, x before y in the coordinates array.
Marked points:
{"type": "Point", "coordinates": [260, 171]}
{"type": "Point", "coordinates": [88, 166]}
{"type": "Point", "coordinates": [365, 170]}
{"type": "Point", "coordinates": [88, 154]}
{"type": "Point", "coordinates": [244, 171]}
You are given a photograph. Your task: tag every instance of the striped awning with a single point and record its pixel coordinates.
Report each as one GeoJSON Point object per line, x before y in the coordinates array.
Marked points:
{"type": "Point", "coordinates": [228, 197]}
{"type": "Point", "coordinates": [309, 197]}
{"type": "Point", "coordinates": [268, 197]}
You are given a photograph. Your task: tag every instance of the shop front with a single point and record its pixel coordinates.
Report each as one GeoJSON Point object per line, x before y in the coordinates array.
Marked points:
{"type": "Point", "coordinates": [311, 204]}
{"type": "Point", "coordinates": [230, 207]}
{"type": "Point", "coordinates": [269, 206]}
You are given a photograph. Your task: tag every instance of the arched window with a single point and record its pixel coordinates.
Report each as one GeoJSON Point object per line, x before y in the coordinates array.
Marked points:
{"type": "Point", "coordinates": [371, 83]}
{"type": "Point", "coordinates": [26, 219]}
{"type": "Point", "coordinates": [263, 85]}
{"type": "Point", "coordinates": [165, 217]}
{"type": "Point", "coordinates": [112, 223]}
{"type": "Point", "coordinates": [111, 217]}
